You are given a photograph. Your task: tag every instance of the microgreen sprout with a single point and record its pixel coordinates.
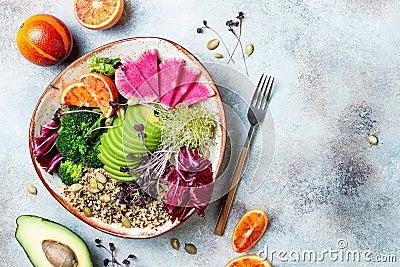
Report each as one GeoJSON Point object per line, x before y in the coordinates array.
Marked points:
{"type": "Point", "coordinates": [111, 250]}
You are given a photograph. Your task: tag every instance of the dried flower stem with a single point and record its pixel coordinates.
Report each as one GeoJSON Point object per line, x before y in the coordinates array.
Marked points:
{"type": "Point", "coordinates": [222, 41]}
{"type": "Point", "coordinates": [241, 48]}
{"type": "Point", "coordinates": [238, 39]}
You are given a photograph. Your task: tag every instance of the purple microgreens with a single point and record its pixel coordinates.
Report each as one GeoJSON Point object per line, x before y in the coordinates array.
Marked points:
{"type": "Point", "coordinates": [57, 115]}
{"type": "Point", "coordinates": [111, 249]}
{"type": "Point", "coordinates": [230, 24]}
{"type": "Point", "coordinates": [201, 29]}
{"type": "Point", "coordinates": [117, 65]}
{"type": "Point", "coordinates": [131, 194]}
{"type": "Point", "coordinates": [138, 127]}
{"type": "Point", "coordinates": [115, 105]}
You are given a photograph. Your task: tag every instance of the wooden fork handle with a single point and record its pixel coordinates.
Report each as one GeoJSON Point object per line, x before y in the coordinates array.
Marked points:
{"type": "Point", "coordinates": [223, 216]}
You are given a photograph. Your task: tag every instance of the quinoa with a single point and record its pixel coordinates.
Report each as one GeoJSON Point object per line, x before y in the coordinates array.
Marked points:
{"type": "Point", "coordinates": [102, 200]}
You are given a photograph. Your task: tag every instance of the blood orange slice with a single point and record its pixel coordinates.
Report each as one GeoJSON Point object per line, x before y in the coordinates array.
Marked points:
{"type": "Point", "coordinates": [76, 94]}
{"type": "Point", "coordinates": [102, 89]}
{"type": "Point", "coordinates": [250, 260]}
{"type": "Point", "coordinates": [249, 230]}
{"type": "Point", "coordinates": [98, 14]}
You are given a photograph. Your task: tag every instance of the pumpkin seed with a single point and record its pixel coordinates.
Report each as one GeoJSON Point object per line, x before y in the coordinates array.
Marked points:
{"type": "Point", "coordinates": [92, 182]}
{"type": "Point", "coordinates": [31, 189]}
{"type": "Point", "coordinates": [105, 198]}
{"type": "Point", "coordinates": [101, 178]}
{"type": "Point", "coordinates": [373, 139]}
{"type": "Point", "coordinates": [93, 190]}
{"type": "Point", "coordinates": [121, 112]}
{"type": "Point", "coordinates": [75, 187]}
{"type": "Point", "coordinates": [88, 212]}
{"type": "Point", "coordinates": [175, 243]}
{"type": "Point", "coordinates": [249, 49]}
{"type": "Point", "coordinates": [100, 187]}
{"type": "Point", "coordinates": [218, 55]}
{"type": "Point", "coordinates": [190, 248]}
{"type": "Point", "coordinates": [125, 222]}
{"type": "Point", "coordinates": [212, 44]}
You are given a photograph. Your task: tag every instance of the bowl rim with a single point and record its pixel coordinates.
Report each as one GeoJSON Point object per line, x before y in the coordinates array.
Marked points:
{"type": "Point", "coordinates": [66, 204]}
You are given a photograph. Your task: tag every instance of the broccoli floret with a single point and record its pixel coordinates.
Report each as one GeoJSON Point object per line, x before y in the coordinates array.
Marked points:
{"type": "Point", "coordinates": [78, 122]}
{"type": "Point", "coordinates": [91, 159]}
{"type": "Point", "coordinates": [72, 141]}
{"type": "Point", "coordinates": [69, 172]}
{"type": "Point", "coordinates": [71, 146]}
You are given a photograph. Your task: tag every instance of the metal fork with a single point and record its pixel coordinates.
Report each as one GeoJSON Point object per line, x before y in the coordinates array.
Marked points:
{"type": "Point", "coordinates": [256, 115]}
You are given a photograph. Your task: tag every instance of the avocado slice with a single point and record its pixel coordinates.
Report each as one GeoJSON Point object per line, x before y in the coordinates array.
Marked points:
{"type": "Point", "coordinates": [49, 244]}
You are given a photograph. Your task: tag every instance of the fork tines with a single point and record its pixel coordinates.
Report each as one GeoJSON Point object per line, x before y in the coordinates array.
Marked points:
{"type": "Point", "coordinates": [262, 95]}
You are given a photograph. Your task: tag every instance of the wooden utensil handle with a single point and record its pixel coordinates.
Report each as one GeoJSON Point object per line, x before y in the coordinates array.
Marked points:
{"type": "Point", "coordinates": [223, 216]}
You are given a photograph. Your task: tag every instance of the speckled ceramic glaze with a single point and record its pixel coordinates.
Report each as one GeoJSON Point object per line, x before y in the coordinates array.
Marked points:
{"type": "Point", "coordinates": [133, 47]}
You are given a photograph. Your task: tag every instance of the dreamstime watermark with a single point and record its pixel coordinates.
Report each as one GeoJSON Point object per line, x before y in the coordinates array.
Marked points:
{"type": "Point", "coordinates": [339, 254]}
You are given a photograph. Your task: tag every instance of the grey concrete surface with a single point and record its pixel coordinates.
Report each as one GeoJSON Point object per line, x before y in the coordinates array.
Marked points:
{"type": "Point", "coordinates": [337, 69]}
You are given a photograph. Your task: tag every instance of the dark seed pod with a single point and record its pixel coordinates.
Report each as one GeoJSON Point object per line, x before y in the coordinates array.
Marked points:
{"type": "Point", "coordinates": [175, 243]}
{"type": "Point", "coordinates": [199, 30]}
{"type": "Point", "coordinates": [191, 249]}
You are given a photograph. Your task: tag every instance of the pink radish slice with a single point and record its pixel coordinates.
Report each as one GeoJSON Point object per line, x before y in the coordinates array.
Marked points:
{"type": "Point", "coordinates": [169, 76]}
{"type": "Point", "coordinates": [188, 78]}
{"type": "Point", "coordinates": [199, 91]}
{"type": "Point", "coordinates": [131, 77]}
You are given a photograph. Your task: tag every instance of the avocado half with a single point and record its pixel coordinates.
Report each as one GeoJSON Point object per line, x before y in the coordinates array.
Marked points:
{"type": "Point", "coordinates": [49, 244]}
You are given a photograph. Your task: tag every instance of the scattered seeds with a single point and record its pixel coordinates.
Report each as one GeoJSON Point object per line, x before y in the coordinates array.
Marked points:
{"type": "Point", "coordinates": [249, 49]}
{"type": "Point", "coordinates": [32, 189]}
{"type": "Point", "coordinates": [125, 222]}
{"type": "Point", "coordinates": [373, 139]}
{"type": "Point", "coordinates": [190, 248]}
{"type": "Point", "coordinates": [175, 243]}
{"type": "Point", "coordinates": [88, 212]}
{"type": "Point", "coordinates": [212, 44]}
{"type": "Point", "coordinates": [218, 55]}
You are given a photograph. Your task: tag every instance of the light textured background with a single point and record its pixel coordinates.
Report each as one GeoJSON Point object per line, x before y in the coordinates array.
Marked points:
{"type": "Point", "coordinates": [337, 67]}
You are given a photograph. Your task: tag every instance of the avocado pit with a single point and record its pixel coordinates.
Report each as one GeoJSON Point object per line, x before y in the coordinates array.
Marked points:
{"type": "Point", "coordinates": [59, 254]}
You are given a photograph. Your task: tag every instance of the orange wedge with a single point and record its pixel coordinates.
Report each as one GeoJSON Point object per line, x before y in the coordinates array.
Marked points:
{"type": "Point", "coordinates": [98, 14]}
{"type": "Point", "coordinates": [76, 94]}
{"type": "Point", "coordinates": [102, 89]}
{"type": "Point", "coordinates": [249, 260]}
{"type": "Point", "coordinates": [250, 228]}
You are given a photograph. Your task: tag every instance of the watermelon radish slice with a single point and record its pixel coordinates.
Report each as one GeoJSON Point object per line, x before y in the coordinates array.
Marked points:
{"type": "Point", "coordinates": [172, 82]}
{"type": "Point", "coordinates": [188, 77]}
{"type": "Point", "coordinates": [137, 78]}
{"type": "Point", "coordinates": [199, 91]}
{"type": "Point", "coordinates": [169, 73]}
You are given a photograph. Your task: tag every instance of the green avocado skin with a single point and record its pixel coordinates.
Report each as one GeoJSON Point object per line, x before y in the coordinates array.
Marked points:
{"type": "Point", "coordinates": [33, 230]}
{"type": "Point", "coordinates": [123, 139]}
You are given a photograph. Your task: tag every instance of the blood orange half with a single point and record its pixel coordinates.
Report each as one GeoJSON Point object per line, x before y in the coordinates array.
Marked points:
{"type": "Point", "coordinates": [98, 14]}
{"type": "Point", "coordinates": [102, 89]}
{"type": "Point", "coordinates": [250, 260]}
{"type": "Point", "coordinates": [76, 94]}
{"type": "Point", "coordinates": [249, 230]}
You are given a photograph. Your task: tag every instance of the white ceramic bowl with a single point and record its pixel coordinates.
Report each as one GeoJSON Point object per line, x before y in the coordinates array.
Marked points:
{"type": "Point", "coordinates": [49, 103]}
